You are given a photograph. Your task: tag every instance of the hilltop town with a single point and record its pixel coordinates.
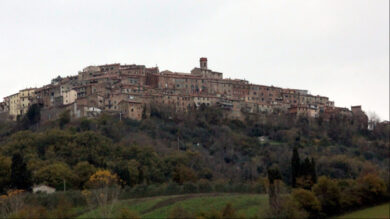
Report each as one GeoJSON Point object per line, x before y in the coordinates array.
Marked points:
{"type": "Point", "coordinates": [130, 90]}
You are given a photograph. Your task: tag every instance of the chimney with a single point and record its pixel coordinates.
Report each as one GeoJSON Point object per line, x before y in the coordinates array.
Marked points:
{"type": "Point", "coordinates": [203, 63]}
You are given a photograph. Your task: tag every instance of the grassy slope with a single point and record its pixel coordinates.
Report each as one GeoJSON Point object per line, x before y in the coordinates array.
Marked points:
{"type": "Point", "coordinates": [380, 211]}
{"type": "Point", "coordinates": [159, 207]}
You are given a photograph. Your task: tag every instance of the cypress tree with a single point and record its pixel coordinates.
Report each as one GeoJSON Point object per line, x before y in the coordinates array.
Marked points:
{"type": "Point", "coordinates": [306, 167]}
{"type": "Point", "coordinates": [20, 176]}
{"type": "Point", "coordinates": [313, 171]}
{"type": "Point", "coordinates": [295, 166]}
{"type": "Point", "coordinates": [34, 114]}
{"type": "Point", "coordinates": [273, 175]}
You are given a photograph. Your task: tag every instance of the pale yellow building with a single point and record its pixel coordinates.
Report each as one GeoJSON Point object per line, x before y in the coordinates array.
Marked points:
{"type": "Point", "coordinates": [13, 105]}
{"type": "Point", "coordinates": [20, 102]}
{"type": "Point", "coordinates": [69, 96]}
{"type": "Point", "coordinates": [26, 96]}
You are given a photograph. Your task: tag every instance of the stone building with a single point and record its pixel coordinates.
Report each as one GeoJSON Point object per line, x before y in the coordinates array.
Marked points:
{"type": "Point", "coordinates": [18, 104]}
{"type": "Point", "coordinates": [128, 89]}
{"type": "Point", "coordinates": [131, 109]}
{"type": "Point", "coordinates": [69, 96]}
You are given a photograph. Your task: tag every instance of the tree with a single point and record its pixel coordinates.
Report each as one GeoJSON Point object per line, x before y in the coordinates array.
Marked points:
{"type": "Point", "coordinates": [289, 209]}
{"type": "Point", "coordinates": [273, 177]}
{"type": "Point", "coordinates": [183, 174]}
{"type": "Point", "coordinates": [307, 171]}
{"type": "Point", "coordinates": [179, 213]}
{"type": "Point", "coordinates": [133, 168]}
{"type": "Point", "coordinates": [64, 118]}
{"type": "Point", "coordinates": [20, 175]}
{"type": "Point", "coordinates": [58, 175]}
{"type": "Point", "coordinates": [5, 173]}
{"type": "Point", "coordinates": [295, 166]}
{"type": "Point", "coordinates": [32, 117]}
{"type": "Point", "coordinates": [83, 170]}
{"type": "Point", "coordinates": [373, 120]}
{"type": "Point", "coordinates": [328, 192]}
{"type": "Point", "coordinates": [371, 187]}
{"type": "Point", "coordinates": [307, 201]}
{"type": "Point", "coordinates": [34, 114]}
{"type": "Point", "coordinates": [104, 191]}
{"type": "Point", "coordinates": [313, 171]}
{"type": "Point", "coordinates": [85, 124]}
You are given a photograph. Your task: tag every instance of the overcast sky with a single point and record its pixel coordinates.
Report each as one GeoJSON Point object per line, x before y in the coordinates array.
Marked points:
{"type": "Point", "coordinates": [338, 49]}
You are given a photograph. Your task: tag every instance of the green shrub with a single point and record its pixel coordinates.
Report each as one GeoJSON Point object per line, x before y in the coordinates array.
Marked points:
{"type": "Point", "coordinates": [128, 214]}
{"type": "Point", "coordinates": [172, 188]}
{"type": "Point", "coordinates": [228, 211]}
{"type": "Point", "coordinates": [328, 192]}
{"type": "Point", "coordinates": [190, 188]}
{"type": "Point", "coordinates": [204, 186]}
{"type": "Point", "coordinates": [307, 201]}
{"type": "Point", "coordinates": [179, 213]}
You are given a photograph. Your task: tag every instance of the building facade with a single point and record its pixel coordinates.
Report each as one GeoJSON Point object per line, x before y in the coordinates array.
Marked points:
{"type": "Point", "coordinates": [128, 89]}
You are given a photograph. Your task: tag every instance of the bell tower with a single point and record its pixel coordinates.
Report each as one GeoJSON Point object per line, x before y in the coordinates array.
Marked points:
{"type": "Point", "coordinates": [203, 63]}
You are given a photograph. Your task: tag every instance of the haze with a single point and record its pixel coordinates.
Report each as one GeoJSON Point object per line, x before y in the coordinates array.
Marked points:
{"type": "Point", "coordinates": [338, 49]}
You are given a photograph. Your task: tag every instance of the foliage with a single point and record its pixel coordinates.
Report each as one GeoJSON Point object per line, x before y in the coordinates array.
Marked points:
{"type": "Point", "coordinates": [64, 119]}
{"type": "Point", "coordinates": [289, 209]}
{"type": "Point", "coordinates": [273, 193]}
{"type": "Point", "coordinates": [101, 179]}
{"type": "Point", "coordinates": [30, 212]}
{"type": "Point", "coordinates": [55, 175]}
{"type": "Point", "coordinates": [104, 191]}
{"type": "Point", "coordinates": [183, 174]}
{"type": "Point", "coordinates": [228, 211]}
{"type": "Point", "coordinates": [126, 214]}
{"type": "Point", "coordinates": [32, 117]}
{"type": "Point", "coordinates": [328, 192]}
{"type": "Point", "coordinates": [83, 171]}
{"type": "Point", "coordinates": [295, 166]}
{"type": "Point", "coordinates": [307, 201]}
{"type": "Point", "coordinates": [20, 175]}
{"type": "Point", "coordinates": [5, 172]}
{"type": "Point", "coordinates": [303, 173]}
{"type": "Point", "coordinates": [179, 213]}
{"type": "Point", "coordinates": [371, 187]}
{"type": "Point", "coordinates": [12, 202]}
{"type": "Point", "coordinates": [204, 151]}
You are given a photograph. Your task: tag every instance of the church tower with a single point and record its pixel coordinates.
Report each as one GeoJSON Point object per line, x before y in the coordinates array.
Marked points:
{"type": "Point", "coordinates": [203, 63]}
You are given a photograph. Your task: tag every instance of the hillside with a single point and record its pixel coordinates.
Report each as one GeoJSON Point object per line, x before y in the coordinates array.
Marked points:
{"type": "Point", "coordinates": [204, 141]}
{"type": "Point", "coordinates": [196, 152]}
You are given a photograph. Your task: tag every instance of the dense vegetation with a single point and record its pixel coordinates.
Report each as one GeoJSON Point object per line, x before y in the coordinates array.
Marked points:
{"type": "Point", "coordinates": [200, 151]}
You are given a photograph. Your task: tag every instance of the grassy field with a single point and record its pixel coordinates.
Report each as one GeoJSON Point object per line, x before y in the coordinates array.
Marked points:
{"type": "Point", "coordinates": [247, 205]}
{"type": "Point", "coordinates": [380, 211]}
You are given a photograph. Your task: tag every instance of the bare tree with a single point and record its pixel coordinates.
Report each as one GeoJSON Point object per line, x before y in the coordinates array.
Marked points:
{"type": "Point", "coordinates": [373, 120]}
